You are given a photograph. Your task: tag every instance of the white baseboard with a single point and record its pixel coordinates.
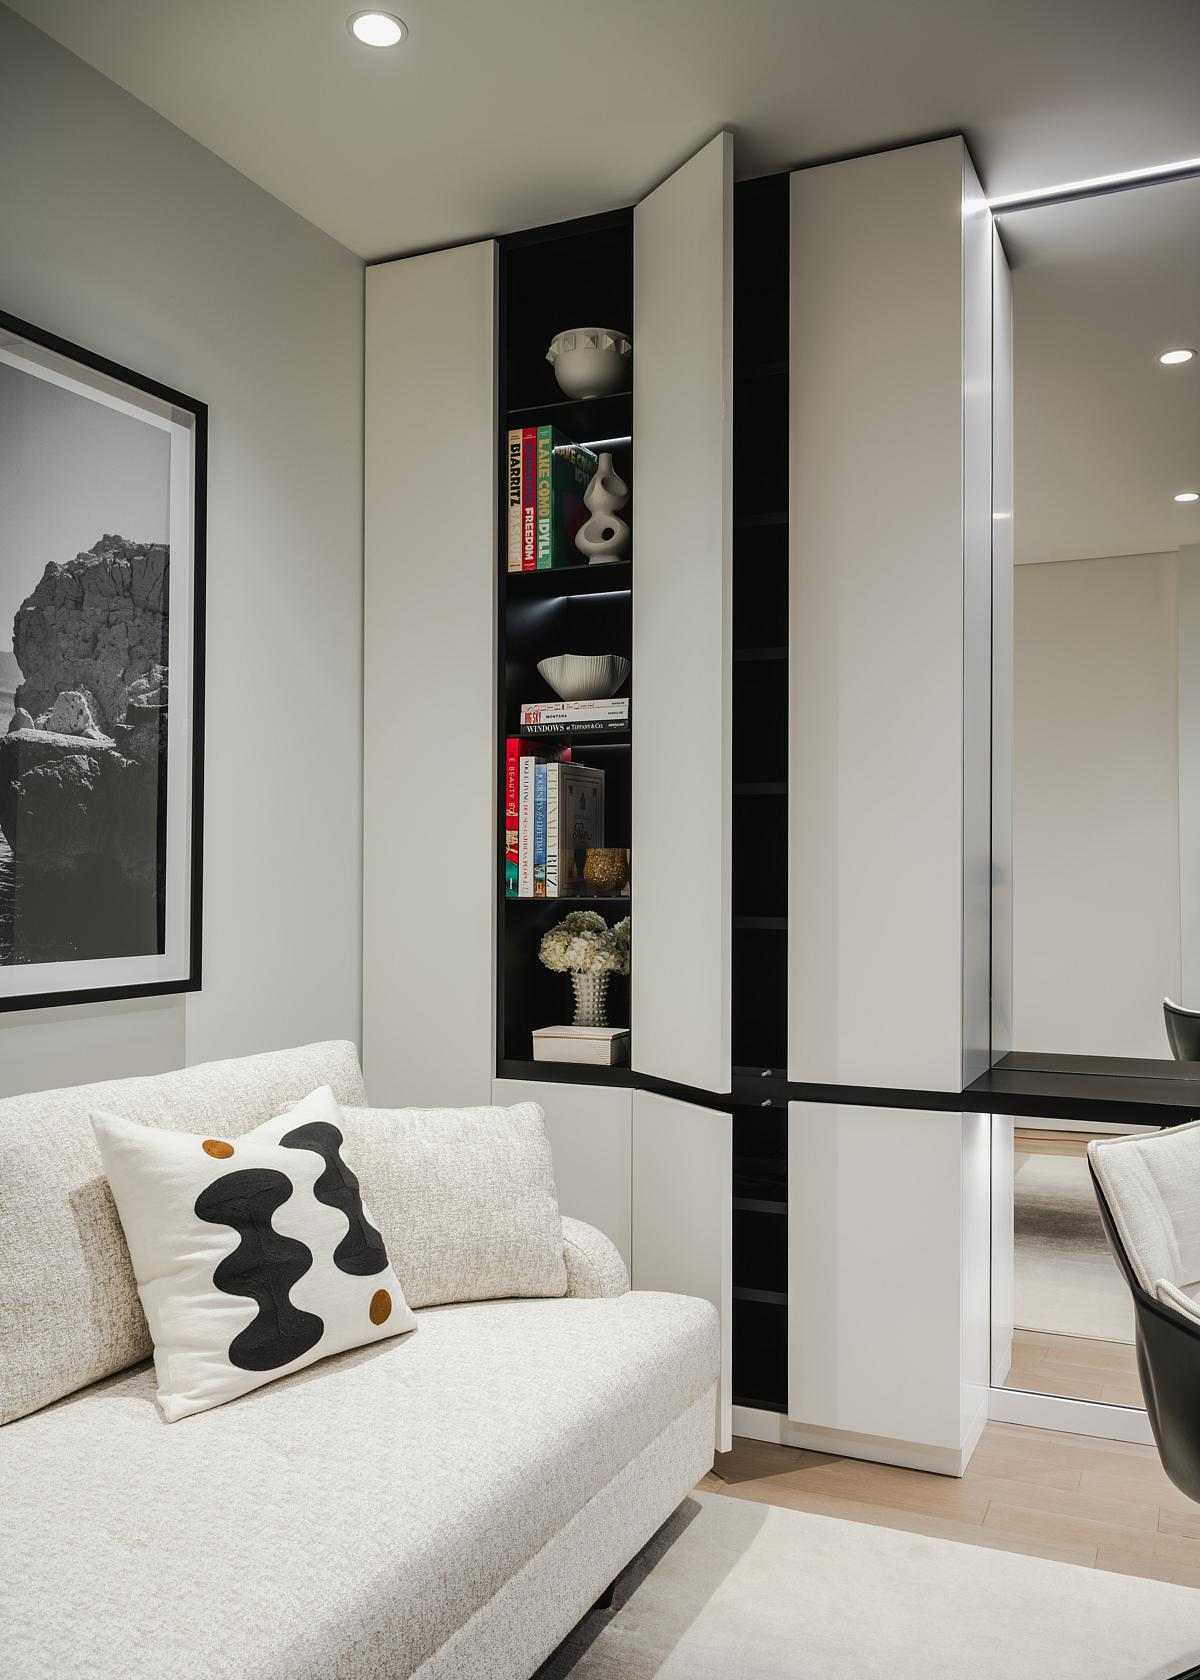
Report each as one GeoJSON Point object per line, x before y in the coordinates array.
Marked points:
{"type": "Point", "coordinates": [758, 1425]}
{"type": "Point", "coordinates": [1069, 1417]}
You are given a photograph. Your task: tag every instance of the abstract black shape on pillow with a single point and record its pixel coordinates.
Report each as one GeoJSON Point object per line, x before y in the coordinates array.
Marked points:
{"type": "Point", "coordinates": [361, 1251]}
{"type": "Point", "coordinates": [264, 1266]}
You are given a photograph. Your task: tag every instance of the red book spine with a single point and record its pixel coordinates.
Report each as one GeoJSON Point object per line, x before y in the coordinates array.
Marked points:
{"type": "Point", "coordinates": [529, 499]}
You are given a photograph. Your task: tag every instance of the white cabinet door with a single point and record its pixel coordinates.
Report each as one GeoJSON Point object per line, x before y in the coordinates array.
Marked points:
{"type": "Point", "coordinates": [682, 540]}
{"type": "Point", "coordinates": [589, 1127]}
{"type": "Point", "coordinates": [683, 1215]}
{"type": "Point", "coordinates": [429, 684]}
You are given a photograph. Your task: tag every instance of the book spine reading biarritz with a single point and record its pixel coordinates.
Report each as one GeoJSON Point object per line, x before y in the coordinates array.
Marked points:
{"type": "Point", "coordinates": [514, 500]}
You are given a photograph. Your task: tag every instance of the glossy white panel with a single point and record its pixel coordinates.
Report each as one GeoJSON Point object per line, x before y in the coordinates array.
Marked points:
{"type": "Point", "coordinates": [682, 428]}
{"type": "Point", "coordinates": [890, 605]}
{"type": "Point", "coordinates": [590, 1128]}
{"type": "Point", "coordinates": [429, 701]}
{"type": "Point", "coordinates": [683, 1214]}
{"type": "Point", "coordinates": [888, 1222]}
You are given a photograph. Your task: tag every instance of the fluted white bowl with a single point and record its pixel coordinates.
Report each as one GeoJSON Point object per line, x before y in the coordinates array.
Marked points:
{"type": "Point", "coordinates": [590, 361]}
{"type": "Point", "coordinates": [584, 676]}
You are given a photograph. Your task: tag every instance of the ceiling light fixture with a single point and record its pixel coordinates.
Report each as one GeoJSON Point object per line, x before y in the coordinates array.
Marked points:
{"type": "Point", "coordinates": [1097, 184]}
{"type": "Point", "coordinates": [1172, 358]}
{"type": "Point", "coordinates": [377, 29]}
{"type": "Point", "coordinates": [1188, 496]}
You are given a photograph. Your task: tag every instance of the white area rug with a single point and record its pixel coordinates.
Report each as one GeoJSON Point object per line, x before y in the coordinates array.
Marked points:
{"type": "Point", "coordinates": [733, 1590]}
{"type": "Point", "coordinates": [1066, 1280]}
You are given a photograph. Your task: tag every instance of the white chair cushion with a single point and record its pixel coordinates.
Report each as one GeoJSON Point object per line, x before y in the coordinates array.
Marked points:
{"type": "Point", "coordinates": [69, 1309]}
{"type": "Point", "coordinates": [1152, 1187]}
{"type": "Point", "coordinates": [465, 1199]}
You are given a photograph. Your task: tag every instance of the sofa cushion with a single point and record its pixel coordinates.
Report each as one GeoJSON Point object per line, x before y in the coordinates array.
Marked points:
{"type": "Point", "coordinates": [254, 1257]}
{"type": "Point", "coordinates": [365, 1509]}
{"type": "Point", "coordinates": [70, 1310]}
{"type": "Point", "coordinates": [465, 1199]}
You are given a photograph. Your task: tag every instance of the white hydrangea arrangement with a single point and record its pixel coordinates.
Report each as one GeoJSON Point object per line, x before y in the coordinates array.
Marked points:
{"type": "Point", "coordinates": [583, 943]}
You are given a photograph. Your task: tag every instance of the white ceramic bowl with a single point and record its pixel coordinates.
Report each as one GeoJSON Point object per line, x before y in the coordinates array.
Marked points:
{"type": "Point", "coordinates": [584, 676]}
{"type": "Point", "coordinates": [590, 361]}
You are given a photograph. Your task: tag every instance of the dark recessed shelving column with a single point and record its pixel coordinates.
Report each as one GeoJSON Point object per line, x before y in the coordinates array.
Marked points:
{"type": "Point", "coordinates": [572, 274]}
{"type": "Point", "coordinates": [760, 732]}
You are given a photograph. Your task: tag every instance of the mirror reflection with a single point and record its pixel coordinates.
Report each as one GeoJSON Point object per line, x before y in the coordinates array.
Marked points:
{"type": "Point", "coordinates": [1106, 678]}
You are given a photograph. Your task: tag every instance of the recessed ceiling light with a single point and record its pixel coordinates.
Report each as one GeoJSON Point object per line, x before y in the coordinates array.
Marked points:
{"type": "Point", "coordinates": [1170, 358]}
{"type": "Point", "coordinates": [377, 29]}
{"type": "Point", "coordinates": [1188, 496]}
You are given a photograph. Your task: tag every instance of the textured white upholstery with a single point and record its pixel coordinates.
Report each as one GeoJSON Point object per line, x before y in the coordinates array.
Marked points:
{"type": "Point", "coordinates": [594, 1264]}
{"type": "Point", "coordinates": [359, 1518]}
{"type": "Point", "coordinates": [464, 1198]}
{"type": "Point", "coordinates": [69, 1309]}
{"type": "Point", "coordinates": [1152, 1188]}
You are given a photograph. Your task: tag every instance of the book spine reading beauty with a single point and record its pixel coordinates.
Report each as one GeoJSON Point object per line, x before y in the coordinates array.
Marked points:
{"type": "Point", "coordinates": [514, 500]}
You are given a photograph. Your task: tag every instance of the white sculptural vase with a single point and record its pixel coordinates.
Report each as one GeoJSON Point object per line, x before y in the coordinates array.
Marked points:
{"type": "Point", "coordinates": [605, 536]}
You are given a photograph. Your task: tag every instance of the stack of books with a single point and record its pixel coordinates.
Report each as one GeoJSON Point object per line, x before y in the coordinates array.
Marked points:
{"type": "Point", "coordinates": [554, 810]}
{"type": "Point", "coordinates": [572, 718]}
{"type": "Point", "coordinates": [547, 476]}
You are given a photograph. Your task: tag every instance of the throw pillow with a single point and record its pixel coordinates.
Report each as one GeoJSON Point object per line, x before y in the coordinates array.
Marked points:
{"type": "Point", "coordinates": [254, 1257]}
{"type": "Point", "coordinates": [465, 1199]}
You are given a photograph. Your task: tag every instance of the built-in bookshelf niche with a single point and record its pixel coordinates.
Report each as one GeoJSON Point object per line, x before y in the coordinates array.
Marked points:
{"type": "Point", "coordinates": [760, 806]}
{"type": "Point", "coordinates": [573, 274]}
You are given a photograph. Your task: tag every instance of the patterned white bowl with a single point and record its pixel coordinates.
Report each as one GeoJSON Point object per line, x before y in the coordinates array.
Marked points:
{"type": "Point", "coordinates": [584, 676]}
{"type": "Point", "coordinates": [590, 361]}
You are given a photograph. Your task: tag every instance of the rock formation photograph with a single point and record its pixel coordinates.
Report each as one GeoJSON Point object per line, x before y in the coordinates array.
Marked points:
{"type": "Point", "coordinates": [83, 678]}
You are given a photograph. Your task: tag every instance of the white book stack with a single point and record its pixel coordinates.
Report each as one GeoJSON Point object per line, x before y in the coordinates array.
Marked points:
{"type": "Point", "coordinates": [597, 1046]}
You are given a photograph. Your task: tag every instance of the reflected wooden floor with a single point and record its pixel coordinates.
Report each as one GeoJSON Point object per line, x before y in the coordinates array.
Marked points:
{"type": "Point", "coordinates": [1075, 1367]}
{"type": "Point", "coordinates": [1104, 1504]}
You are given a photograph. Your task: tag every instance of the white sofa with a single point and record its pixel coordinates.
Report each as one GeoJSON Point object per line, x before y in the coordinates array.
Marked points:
{"type": "Point", "coordinates": [447, 1503]}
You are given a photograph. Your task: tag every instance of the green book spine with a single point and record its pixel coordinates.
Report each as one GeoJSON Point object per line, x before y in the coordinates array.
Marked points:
{"type": "Point", "coordinates": [545, 497]}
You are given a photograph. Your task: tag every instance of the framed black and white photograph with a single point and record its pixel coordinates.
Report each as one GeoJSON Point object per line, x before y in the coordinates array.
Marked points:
{"type": "Point", "coordinates": [102, 519]}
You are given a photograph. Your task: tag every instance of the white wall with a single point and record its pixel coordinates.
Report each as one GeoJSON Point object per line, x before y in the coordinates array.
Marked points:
{"type": "Point", "coordinates": [120, 233]}
{"type": "Point", "coordinates": [1096, 807]}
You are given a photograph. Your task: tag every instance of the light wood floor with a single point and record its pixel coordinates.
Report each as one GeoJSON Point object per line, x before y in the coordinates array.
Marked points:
{"type": "Point", "coordinates": [1075, 1367]}
{"type": "Point", "coordinates": [1106, 1504]}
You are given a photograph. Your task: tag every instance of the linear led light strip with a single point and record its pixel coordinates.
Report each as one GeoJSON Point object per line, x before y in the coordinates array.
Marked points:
{"type": "Point", "coordinates": [1098, 184]}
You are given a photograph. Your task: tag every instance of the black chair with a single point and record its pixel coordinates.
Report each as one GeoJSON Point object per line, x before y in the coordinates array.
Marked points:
{"type": "Point", "coordinates": [1183, 1031]}
{"type": "Point", "coordinates": [1168, 1338]}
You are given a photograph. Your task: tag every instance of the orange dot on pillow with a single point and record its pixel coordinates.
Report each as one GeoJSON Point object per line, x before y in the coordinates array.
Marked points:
{"type": "Point", "coordinates": [381, 1307]}
{"type": "Point", "coordinates": [217, 1148]}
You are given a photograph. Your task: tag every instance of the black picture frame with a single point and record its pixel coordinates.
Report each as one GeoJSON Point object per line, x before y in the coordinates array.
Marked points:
{"type": "Point", "coordinates": [191, 979]}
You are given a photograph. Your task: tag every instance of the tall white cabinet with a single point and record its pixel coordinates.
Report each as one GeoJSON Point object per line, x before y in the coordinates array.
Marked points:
{"type": "Point", "coordinates": [896, 431]}
{"type": "Point", "coordinates": [890, 858]}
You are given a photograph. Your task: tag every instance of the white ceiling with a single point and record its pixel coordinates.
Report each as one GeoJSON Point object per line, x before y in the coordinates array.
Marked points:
{"type": "Point", "coordinates": [1103, 435]}
{"type": "Point", "coordinates": [496, 116]}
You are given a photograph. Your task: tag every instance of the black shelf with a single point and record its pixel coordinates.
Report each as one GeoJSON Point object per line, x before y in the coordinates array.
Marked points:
{"type": "Point", "coordinates": [611, 579]}
{"type": "Point", "coordinates": [760, 805]}
{"type": "Point", "coordinates": [565, 1073]}
{"type": "Point", "coordinates": [549, 280]}
{"type": "Point", "coordinates": [572, 902]}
